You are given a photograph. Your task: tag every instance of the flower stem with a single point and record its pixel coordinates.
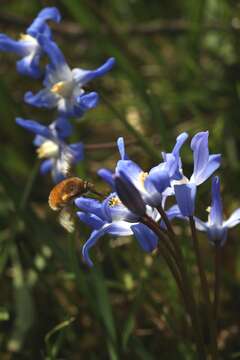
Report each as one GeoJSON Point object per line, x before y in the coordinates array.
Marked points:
{"type": "Point", "coordinates": [205, 289]}
{"type": "Point", "coordinates": [186, 290]}
{"type": "Point", "coordinates": [217, 261]}
{"type": "Point", "coordinates": [165, 251]}
{"type": "Point", "coordinates": [191, 300]}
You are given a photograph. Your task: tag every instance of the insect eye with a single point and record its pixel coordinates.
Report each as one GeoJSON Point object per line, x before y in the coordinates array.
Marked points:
{"type": "Point", "coordinates": [71, 187]}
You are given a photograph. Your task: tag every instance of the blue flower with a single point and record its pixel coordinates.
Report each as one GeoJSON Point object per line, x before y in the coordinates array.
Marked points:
{"type": "Point", "coordinates": [112, 217]}
{"type": "Point", "coordinates": [215, 227]}
{"type": "Point", "coordinates": [63, 87]}
{"type": "Point", "coordinates": [129, 195]}
{"type": "Point", "coordinates": [204, 166]}
{"type": "Point", "coordinates": [59, 156]}
{"type": "Point", "coordinates": [28, 47]}
{"type": "Point", "coordinates": [153, 185]}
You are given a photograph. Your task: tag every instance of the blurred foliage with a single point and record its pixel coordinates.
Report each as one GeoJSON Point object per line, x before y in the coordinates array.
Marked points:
{"type": "Point", "coordinates": [178, 69]}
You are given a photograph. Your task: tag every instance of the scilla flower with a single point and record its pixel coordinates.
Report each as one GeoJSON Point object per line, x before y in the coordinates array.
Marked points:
{"type": "Point", "coordinates": [204, 166]}
{"type": "Point", "coordinates": [112, 217]}
{"type": "Point", "coordinates": [151, 185]}
{"type": "Point", "coordinates": [59, 156]}
{"type": "Point", "coordinates": [28, 47]}
{"type": "Point", "coordinates": [63, 87]}
{"type": "Point", "coordinates": [216, 228]}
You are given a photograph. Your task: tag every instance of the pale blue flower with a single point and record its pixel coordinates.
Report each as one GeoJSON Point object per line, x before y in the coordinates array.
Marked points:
{"type": "Point", "coordinates": [216, 228]}
{"type": "Point", "coordinates": [28, 47]}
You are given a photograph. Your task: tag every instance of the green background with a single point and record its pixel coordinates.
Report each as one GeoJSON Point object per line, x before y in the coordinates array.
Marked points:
{"type": "Point", "coordinates": [177, 69]}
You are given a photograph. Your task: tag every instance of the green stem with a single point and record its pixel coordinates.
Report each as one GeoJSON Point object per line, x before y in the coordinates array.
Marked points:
{"type": "Point", "coordinates": [188, 289]}
{"type": "Point", "coordinates": [217, 261]}
{"type": "Point", "coordinates": [205, 289]}
{"type": "Point", "coordinates": [185, 286]}
{"type": "Point", "coordinates": [166, 253]}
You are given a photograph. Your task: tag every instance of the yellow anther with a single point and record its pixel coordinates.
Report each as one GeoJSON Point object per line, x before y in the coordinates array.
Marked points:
{"type": "Point", "coordinates": [56, 88]}
{"type": "Point", "coordinates": [26, 37]}
{"type": "Point", "coordinates": [47, 149]}
{"type": "Point", "coordinates": [114, 201]}
{"type": "Point", "coordinates": [142, 177]}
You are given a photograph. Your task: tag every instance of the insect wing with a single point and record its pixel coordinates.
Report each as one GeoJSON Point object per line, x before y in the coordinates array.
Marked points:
{"type": "Point", "coordinates": [66, 219]}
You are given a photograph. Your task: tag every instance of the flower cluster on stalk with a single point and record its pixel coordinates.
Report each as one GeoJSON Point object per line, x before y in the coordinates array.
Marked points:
{"type": "Point", "coordinates": [138, 202]}
{"type": "Point", "coordinates": [139, 195]}
{"type": "Point", "coordinates": [63, 90]}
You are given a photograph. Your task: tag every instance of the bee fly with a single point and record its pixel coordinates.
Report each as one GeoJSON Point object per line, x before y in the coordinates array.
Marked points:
{"type": "Point", "coordinates": [62, 195]}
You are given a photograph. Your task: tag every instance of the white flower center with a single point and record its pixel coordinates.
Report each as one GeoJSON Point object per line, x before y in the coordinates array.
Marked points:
{"type": "Point", "coordinates": [33, 45]}
{"type": "Point", "coordinates": [64, 88]}
{"type": "Point", "coordinates": [48, 149]}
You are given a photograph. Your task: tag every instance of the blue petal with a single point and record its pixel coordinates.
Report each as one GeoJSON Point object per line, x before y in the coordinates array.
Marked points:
{"type": "Point", "coordinates": [172, 160]}
{"type": "Point", "coordinates": [38, 25]}
{"type": "Point", "coordinates": [216, 212]}
{"type": "Point", "coordinates": [212, 165]}
{"type": "Point", "coordinates": [38, 140]}
{"type": "Point", "coordinates": [145, 237]}
{"type": "Point", "coordinates": [121, 148]}
{"type": "Point", "coordinates": [63, 127]}
{"type": "Point", "coordinates": [114, 210]}
{"type": "Point", "coordinates": [233, 220]}
{"type": "Point", "coordinates": [44, 98]}
{"type": "Point", "coordinates": [96, 234]}
{"type": "Point", "coordinates": [185, 196]}
{"type": "Point", "coordinates": [29, 65]}
{"type": "Point", "coordinates": [120, 228]}
{"type": "Point", "coordinates": [200, 225]}
{"type": "Point", "coordinates": [34, 127]}
{"type": "Point", "coordinates": [20, 48]}
{"type": "Point", "coordinates": [159, 176]}
{"type": "Point", "coordinates": [131, 170]}
{"type": "Point", "coordinates": [199, 146]}
{"type": "Point", "coordinates": [129, 195]}
{"type": "Point", "coordinates": [217, 234]}
{"type": "Point", "coordinates": [46, 166]}
{"type": "Point", "coordinates": [90, 205]}
{"type": "Point", "coordinates": [179, 143]}
{"type": "Point", "coordinates": [90, 219]}
{"type": "Point", "coordinates": [52, 50]}
{"type": "Point", "coordinates": [85, 102]}
{"type": "Point", "coordinates": [107, 176]}
{"type": "Point", "coordinates": [83, 76]}
{"type": "Point", "coordinates": [172, 165]}
{"type": "Point", "coordinates": [78, 151]}
{"type": "Point", "coordinates": [173, 212]}
{"type": "Point", "coordinates": [151, 195]}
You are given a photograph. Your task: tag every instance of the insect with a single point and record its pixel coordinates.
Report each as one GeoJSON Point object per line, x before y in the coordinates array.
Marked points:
{"type": "Point", "coordinates": [62, 195]}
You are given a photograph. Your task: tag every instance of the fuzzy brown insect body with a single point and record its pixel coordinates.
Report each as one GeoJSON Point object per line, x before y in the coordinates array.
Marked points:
{"type": "Point", "coordinates": [67, 190]}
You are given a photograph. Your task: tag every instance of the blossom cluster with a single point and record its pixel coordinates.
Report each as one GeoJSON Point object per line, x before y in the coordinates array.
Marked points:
{"type": "Point", "coordinates": [63, 90]}
{"type": "Point", "coordinates": [137, 194]}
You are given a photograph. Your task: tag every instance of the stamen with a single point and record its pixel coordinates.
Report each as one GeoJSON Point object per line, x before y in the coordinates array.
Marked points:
{"type": "Point", "coordinates": [208, 209]}
{"type": "Point", "coordinates": [114, 201]}
{"type": "Point", "coordinates": [142, 178]}
{"type": "Point", "coordinates": [26, 37]}
{"type": "Point", "coordinates": [63, 88]}
{"type": "Point", "coordinates": [47, 149]}
{"type": "Point", "coordinates": [56, 88]}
